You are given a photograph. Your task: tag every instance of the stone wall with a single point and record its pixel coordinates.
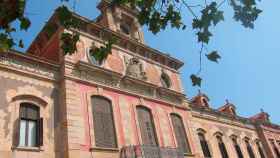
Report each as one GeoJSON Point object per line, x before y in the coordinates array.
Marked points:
{"type": "Point", "coordinates": [17, 87]}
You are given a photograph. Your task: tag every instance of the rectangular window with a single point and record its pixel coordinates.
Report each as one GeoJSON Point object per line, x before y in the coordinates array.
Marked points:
{"type": "Point", "coordinates": [30, 126]}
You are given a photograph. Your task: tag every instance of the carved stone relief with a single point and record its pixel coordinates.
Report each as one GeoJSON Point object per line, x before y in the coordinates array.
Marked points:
{"type": "Point", "coordinates": [134, 68]}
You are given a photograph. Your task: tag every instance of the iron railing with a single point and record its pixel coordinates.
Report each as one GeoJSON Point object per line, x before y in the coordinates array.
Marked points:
{"type": "Point", "coordinates": [142, 151]}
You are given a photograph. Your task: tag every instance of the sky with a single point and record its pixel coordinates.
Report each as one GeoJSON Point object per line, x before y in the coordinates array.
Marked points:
{"type": "Point", "coordinates": [247, 75]}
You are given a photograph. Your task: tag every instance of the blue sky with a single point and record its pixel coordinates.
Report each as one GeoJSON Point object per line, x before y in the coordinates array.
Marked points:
{"type": "Point", "coordinates": [248, 74]}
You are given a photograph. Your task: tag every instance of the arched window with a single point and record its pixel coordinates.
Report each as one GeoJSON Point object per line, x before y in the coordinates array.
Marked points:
{"type": "Point", "coordinates": [147, 127]}
{"type": "Point", "coordinates": [276, 151]}
{"type": "Point", "coordinates": [165, 80]}
{"type": "Point", "coordinates": [204, 145]}
{"type": "Point", "coordinates": [92, 58]}
{"type": "Point", "coordinates": [103, 122]}
{"type": "Point", "coordinates": [222, 147]}
{"type": "Point", "coordinates": [30, 126]}
{"type": "Point", "coordinates": [237, 148]}
{"type": "Point", "coordinates": [125, 28]}
{"type": "Point", "coordinates": [180, 133]}
{"type": "Point", "coordinates": [249, 149]}
{"type": "Point", "coordinates": [260, 149]}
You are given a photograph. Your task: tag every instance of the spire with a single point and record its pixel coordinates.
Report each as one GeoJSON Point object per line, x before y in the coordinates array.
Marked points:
{"type": "Point", "coordinates": [227, 102]}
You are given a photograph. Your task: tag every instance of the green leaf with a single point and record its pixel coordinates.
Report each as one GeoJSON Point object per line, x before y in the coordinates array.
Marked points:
{"type": "Point", "coordinates": [196, 81]}
{"type": "Point", "coordinates": [197, 24]}
{"type": "Point", "coordinates": [217, 17]}
{"type": "Point", "coordinates": [6, 43]}
{"type": "Point", "coordinates": [102, 53]}
{"type": "Point", "coordinates": [24, 23]}
{"type": "Point", "coordinates": [184, 27]}
{"type": "Point", "coordinates": [204, 36]}
{"type": "Point", "coordinates": [213, 56]}
{"type": "Point", "coordinates": [65, 16]}
{"type": "Point", "coordinates": [69, 42]}
{"type": "Point", "coordinates": [20, 44]}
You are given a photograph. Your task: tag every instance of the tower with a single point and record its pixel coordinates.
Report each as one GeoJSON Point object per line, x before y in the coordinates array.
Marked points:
{"type": "Point", "coordinates": [121, 19]}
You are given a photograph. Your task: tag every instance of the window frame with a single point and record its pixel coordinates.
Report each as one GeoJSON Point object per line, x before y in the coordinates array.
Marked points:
{"type": "Point", "coordinates": [237, 147]}
{"type": "Point", "coordinates": [155, 131]}
{"type": "Point", "coordinates": [222, 146]}
{"type": "Point", "coordinates": [28, 121]}
{"type": "Point", "coordinates": [187, 147]}
{"type": "Point", "coordinates": [92, 130]}
{"type": "Point", "coordinates": [32, 97]}
{"type": "Point", "coordinates": [205, 153]}
{"type": "Point", "coordinates": [249, 148]}
{"type": "Point", "coordinates": [275, 149]}
{"type": "Point", "coordinates": [260, 149]}
{"type": "Point", "coordinates": [165, 80]}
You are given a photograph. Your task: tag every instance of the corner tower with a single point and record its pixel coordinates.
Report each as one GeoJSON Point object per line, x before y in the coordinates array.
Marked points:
{"type": "Point", "coordinates": [122, 19]}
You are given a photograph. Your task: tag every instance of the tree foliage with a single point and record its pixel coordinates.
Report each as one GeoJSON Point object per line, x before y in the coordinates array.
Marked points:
{"type": "Point", "coordinates": [156, 14]}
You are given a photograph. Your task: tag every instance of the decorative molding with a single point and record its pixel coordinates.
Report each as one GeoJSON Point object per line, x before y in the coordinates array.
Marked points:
{"type": "Point", "coordinates": [34, 68]}
{"type": "Point", "coordinates": [223, 121]}
{"type": "Point", "coordinates": [25, 79]}
{"type": "Point", "coordinates": [28, 90]}
{"type": "Point", "coordinates": [85, 72]}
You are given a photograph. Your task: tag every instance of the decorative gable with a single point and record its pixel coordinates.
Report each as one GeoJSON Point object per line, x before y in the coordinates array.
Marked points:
{"type": "Point", "coordinates": [228, 108]}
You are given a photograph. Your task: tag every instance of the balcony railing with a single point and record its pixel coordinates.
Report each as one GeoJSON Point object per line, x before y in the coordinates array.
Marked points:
{"type": "Point", "coordinates": [142, 151]}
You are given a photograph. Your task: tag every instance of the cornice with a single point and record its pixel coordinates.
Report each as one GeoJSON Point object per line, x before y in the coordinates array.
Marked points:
{"type": "Point", "coordinates": [268, 127]}
{"type": "Point", "coordinates": [222, 121]}
{"type": "Point", "coordinates": [211, 114]}
{"type": "Point", "coordinates": [90, 67]}
{"type": "Point", "coordinates": [29, 65]}
{"type": "Point", "coordinates": [170, 91]}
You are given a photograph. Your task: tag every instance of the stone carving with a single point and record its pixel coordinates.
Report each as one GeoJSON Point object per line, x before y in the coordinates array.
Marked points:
{"type": "Point", "coordinates": [134, 68]}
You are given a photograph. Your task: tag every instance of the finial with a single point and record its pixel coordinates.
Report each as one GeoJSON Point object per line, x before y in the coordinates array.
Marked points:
{"type": "Point", "coordinates": [199, 92]}
{"type": "Point", "coordinates": [227, 102]}
{"type": "Point", "coordinates": [262, 111]}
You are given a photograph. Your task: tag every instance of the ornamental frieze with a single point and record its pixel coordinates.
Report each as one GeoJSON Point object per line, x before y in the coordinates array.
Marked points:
{"type": "Point", "coordinates": [22, 65]}
{"type": "Point", "coordinates": [98, 75]}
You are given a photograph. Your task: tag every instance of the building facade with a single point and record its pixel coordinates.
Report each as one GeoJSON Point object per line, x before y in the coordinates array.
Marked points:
{"type": "Point", "coordinates": [130, 105]}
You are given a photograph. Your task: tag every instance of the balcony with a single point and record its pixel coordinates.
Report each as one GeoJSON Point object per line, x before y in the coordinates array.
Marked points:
{"type": "Point", "coordinates": [142, 151]}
